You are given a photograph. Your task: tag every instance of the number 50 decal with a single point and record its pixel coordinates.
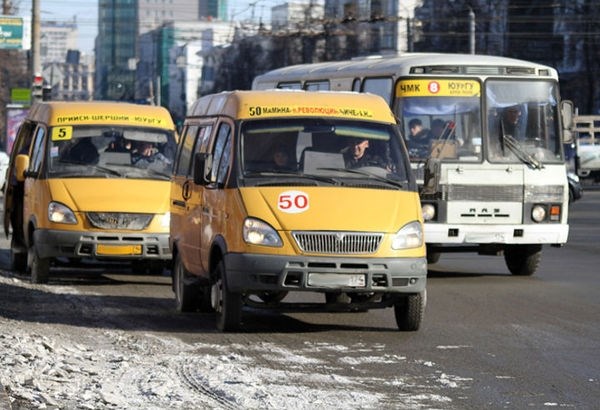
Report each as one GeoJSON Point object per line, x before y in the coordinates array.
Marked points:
{"type": "Point", "coordinates": [292, 202]}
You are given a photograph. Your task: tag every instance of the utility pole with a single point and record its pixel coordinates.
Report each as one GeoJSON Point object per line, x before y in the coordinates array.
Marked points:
{"type": "Point", "coordinates": [6, 7]}
{"type": "Point", "coordinates": [471, 31]}
{"type": "Point", "coordinates": [36, 64]}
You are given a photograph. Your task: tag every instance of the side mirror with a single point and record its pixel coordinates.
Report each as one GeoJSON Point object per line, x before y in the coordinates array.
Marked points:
{"type": "Point", "coordinates": [566, 111]}
{"type": "Point", "coordinates": [21, 165]}
{"type": "Point", "coordinates": [202, 168]}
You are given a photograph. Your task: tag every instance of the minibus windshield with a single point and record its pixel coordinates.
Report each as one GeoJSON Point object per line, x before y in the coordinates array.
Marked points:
{"type": "Point", "coordinates": [324, 150]}
{"type": "Point", "coordinates": [111, 151]}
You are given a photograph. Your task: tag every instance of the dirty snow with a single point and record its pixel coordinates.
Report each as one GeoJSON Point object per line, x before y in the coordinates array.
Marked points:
{"type": "Point", "coordinates": [60, 366]}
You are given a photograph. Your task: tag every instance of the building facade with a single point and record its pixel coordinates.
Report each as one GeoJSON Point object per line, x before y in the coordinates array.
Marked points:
{"type": "Point", "coordinates": [134, 44]}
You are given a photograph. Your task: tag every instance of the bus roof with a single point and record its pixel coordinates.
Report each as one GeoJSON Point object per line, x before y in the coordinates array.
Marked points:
{"type": "Point", "coordinates": [293, 103]}
{"type": "Point", "coordinates": [101, 113]}
{"type": "Point", "coordinates": [409, 63]}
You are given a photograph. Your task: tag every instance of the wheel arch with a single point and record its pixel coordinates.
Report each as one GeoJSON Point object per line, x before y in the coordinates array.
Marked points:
{"type": "Point", "coordinates": [218, 250]}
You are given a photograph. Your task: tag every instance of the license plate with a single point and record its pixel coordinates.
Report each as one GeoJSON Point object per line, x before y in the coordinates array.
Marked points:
{"type": "Point", "coordinates": [118, 249]}
{"type": "Point", "coordinates": [336, 280]}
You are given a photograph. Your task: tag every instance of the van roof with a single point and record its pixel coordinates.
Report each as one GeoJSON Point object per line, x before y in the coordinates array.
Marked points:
{"type": "Point", "coordinates": [293, 103]}
{"type": "Point", "coordinates": [101, 112]}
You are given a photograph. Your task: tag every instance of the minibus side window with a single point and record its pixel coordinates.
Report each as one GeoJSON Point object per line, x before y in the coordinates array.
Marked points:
{"type": "Point", "coordinates": [195, 139]}
{"type": "Point", "coordinates": [37, 152]}
{"type": "Point", "coordinates": [221, 154]}
{"type": "Point", "coordinates": [185, 153]}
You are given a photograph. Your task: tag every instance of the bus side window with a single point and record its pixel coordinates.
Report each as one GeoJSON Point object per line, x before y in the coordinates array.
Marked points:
{"type": "Point", "coordinates": [381, 86]}
{"type": "Point", "coordinates": [290, 86]}
{"type": "Point", "coordinates": [317, 85]}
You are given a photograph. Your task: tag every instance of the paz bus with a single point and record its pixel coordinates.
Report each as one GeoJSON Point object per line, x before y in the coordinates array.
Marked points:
{"type": "Point", "coordinates": [489, 161]}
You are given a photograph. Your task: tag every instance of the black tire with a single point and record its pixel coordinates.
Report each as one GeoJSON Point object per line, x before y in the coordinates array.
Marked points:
{"type": "Point", "coordinates": [227, 305]}
{"type": "Point", "coordinates": [432, 256]}
{"type": "Point", "coordinates": [187, 290]}
{"type": "Point", "coordinates": [410, 310]}
{"type": "Point", "coordinates": [522, 260]}
{"type": "Point", "coordinates": [18, 257]}
{"type": "Point", "coordinates": [38, 268]}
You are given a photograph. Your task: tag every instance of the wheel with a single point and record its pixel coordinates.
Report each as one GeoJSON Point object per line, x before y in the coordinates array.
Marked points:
{"type": "Point", "coordinates": [433, 257]}
{"type": "Point", "coordinates": [189, 294]}
{"type": "Point", "coordinates": [38, 268]}
{"type": "Point", "coordinates": [18, 257]}
{"type": "Point", "coordinates": [227, 305]}
{"type": "Point", "coordinates": [409, 311]}
{"type": "Point", "coordinates": [522, 260]}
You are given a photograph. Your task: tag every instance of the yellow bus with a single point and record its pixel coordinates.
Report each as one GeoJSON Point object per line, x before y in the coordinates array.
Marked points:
{"type": "Point", "coordinates": [90, 180]}
{"type": "Point", "coordinates": [487, 147]}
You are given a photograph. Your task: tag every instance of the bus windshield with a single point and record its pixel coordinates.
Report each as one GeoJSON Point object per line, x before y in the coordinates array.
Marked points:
{"type": "Point", "coordinates": [329, 151]}
{"type": "Point", "coordinates": [446, 126]}
{"type": "Point", "coordinates": [117, 152]}
{"type": "Point", "coordinates": [523, 122]}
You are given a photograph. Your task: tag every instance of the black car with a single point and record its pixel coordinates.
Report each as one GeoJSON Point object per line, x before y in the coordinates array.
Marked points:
{"type": "Point", "coordinates": [575, 188]}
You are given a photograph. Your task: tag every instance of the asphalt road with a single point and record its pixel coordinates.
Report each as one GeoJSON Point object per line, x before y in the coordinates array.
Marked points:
{"type": "Point", "coordinates": [489, 340]}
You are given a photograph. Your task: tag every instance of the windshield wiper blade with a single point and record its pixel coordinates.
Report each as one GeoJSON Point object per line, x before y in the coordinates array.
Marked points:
{"type": "Point", "coordinates": [367, 174]}
{"type": "Point", "coordinates": [273, 173]}
{"type": "Point", "coordinates": [95, 166]}
{"type": "Point", "coordinates": [515, 147]}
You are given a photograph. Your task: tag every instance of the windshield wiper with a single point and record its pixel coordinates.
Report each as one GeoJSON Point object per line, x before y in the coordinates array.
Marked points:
{"type": "Point", "coordinates": [95, 166]}
{"type": "Point", "coordinates": [515, 147]}
{"type": "Point", "coordinates": [274, 173]}
{"type": "Point", "coordinates": [367, 174]}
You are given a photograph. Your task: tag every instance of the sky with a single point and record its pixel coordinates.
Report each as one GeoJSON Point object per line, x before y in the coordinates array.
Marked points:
{"type": "Point", "coordinates": [85, 12]}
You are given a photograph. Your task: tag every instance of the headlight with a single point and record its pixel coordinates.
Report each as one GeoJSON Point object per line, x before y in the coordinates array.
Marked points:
{"type": "Point", "coordinates": [409, 236]}
{"type": "Point", "coordinates": [538, 213]}
{"type": "Point", "coordinates": [61, 214]}
{"type": "Point", "coordinates": [428, 211]}
{"type": "Point", "coordinates": [260, 233]}
{"type": "Point", "coordinates": [165, 220]}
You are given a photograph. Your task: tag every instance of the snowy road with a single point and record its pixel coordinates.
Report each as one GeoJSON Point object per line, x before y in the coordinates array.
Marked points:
{"type": "Point", "coordinates": [77, 365]}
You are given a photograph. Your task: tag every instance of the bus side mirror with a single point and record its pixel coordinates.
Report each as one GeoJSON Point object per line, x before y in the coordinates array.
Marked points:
{"type": "Point", "coordinates": [566, 111]}
{"type": "Point", "coordinates": [21, 165]}
{"type": "Point", "coordinates": [202, 168]}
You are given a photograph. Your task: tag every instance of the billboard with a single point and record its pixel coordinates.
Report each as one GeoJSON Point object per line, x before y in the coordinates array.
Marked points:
{"type": "Point", "coordinates": [15, 115]}
{"type": "Point", "coordinates": [11, 32]}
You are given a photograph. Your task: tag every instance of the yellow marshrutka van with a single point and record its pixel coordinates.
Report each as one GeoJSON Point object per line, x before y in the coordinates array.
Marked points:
{"type": "Point", "coordinates": [90, 180]}
{"type": "Point", "coordinates": [278, 193]}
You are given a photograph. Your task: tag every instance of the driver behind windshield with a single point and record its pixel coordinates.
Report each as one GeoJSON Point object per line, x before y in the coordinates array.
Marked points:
{"type": "Point", "coordinates": [359, 154]}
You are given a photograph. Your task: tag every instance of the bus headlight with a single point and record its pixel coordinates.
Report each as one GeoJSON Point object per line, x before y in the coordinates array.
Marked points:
{"type": "Point", "coordinates": [165, 220]}
{"type": "Point", "coordinates": [61, 214]}
{"type": "Point", "coordinates": [409, 236]}
{"type": "Point", "coordinates": [428, 211]}
{"type": "Point", "coordinates": [538, 213]}
{"type": "Point", "coordinates": [257, 232]}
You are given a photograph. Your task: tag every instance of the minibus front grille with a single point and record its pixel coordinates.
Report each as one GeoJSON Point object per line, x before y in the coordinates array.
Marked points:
{"type": "Point", "coordinates": [118, 220]}
{"type": "Point", "coordinates": [346, 243]}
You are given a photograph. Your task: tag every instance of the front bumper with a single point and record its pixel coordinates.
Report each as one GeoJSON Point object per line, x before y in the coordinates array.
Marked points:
{"type": "Point", "coordinates": [102, 245]}
{"type": "Point", "coordinates": [551, 234]}
{"type": "Point", "coordinates": [258, 272]}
